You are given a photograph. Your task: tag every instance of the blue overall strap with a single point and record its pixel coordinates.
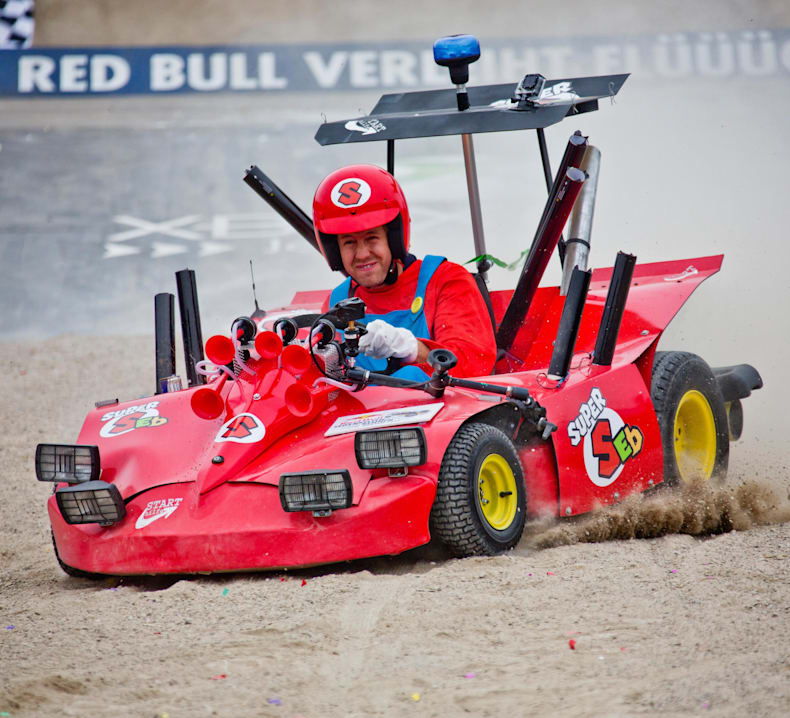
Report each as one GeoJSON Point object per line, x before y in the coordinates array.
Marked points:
{"type": "Point", "coordinates": [340, 292]}
{"type": "Point", "coordinates": [428, 267]}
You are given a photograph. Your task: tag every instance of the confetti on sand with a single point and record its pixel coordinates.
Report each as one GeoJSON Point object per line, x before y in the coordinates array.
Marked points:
{"type": "Point", "coordinates": [572, 644]}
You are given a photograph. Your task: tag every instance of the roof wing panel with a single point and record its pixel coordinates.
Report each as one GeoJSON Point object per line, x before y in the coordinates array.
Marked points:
{"type": "Point", "coordinates": [433, 113]}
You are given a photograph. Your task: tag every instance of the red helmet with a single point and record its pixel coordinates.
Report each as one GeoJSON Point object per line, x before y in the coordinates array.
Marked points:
{"type": "Point", "coordinates": [356, 198]}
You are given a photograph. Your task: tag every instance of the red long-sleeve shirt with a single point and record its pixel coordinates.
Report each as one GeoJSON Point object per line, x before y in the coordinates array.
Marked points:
{"type": "Point", "coordinates": [454, 311]}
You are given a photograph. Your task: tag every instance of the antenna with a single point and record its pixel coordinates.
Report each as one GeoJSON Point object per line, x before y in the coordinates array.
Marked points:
{"type": "Point", "coordinates": [258, 313]}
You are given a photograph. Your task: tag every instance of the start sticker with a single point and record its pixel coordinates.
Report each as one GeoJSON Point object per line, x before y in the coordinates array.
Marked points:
{"type": "Point", "coordinates": [609, 443]}
{"type": "Point", "coordinates": [155, 510]}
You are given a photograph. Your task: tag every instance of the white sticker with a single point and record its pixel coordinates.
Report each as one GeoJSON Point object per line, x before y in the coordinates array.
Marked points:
{"type": "Point", "coordinates": [383, 419]}
{"type": "Point", "coordinates": [243, 429]}
{"type": "Point", "coordinates": [560, 92]}
{"type": "Point", "coordinates": [160, 509]}
{"type": "Point", "coordinates": [367, 126]}
{"type": "Point", "coordinates": [122, 421]}
{"type": "Point", "coordinates": [689, 271]}
{"type": "Point", "coordinates": [350, 192]}
{"type": "Point", "coordinates": [609, 442]}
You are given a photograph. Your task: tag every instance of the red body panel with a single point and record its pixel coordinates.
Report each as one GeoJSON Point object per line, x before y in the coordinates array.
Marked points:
{"type": "Point", "coordinates": [186, 513]}
{"type": "Point", "coordinates": [241, 527]}
{"type": "Point", "coordinates": [658, 291]}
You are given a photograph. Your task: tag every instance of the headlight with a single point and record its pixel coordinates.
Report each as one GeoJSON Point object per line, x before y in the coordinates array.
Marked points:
{"type": "Point", "coordinates": [94, 502]}
{"type": "Point", "coordinates": [318, 491]}
{"type": "Point", "coordinates": [67, 462]}
{"type": "Point", "coordinates": [390, 448]}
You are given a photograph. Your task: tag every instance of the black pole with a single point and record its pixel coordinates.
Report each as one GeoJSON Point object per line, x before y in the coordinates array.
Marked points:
{"type": "Point", "coordinates": [544, 158]}
{"type": "Point", "coordinates": [571, 317]}
{"type": "Point", "coordinates": [572, 157]}
{"type": "Point", "coordinates": [555, 216]}
{"type": "Point", "coordinates": [363, 376]}
{"type": "Point", "coordinates": [614, 308]}
{"type": "Point", "coordinates": [164, 337]}
{"type": "Point", "coordinates": [281, 203]}
{"type": "Point", "coordinates": [391, 157]}
{"type": "Point", "coordinates": [190, 324]}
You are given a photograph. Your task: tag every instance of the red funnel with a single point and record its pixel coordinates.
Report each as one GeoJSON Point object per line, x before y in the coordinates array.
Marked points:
{"type": "Point", "coordinates": [299, 400]}
{"type": "Point", "coordinates": [296, 360]}
{"type": "Point", "coordinates": [220, 350]}
{"type": "Point", "coordinates": [207, 403]}
{"type": "Point", "coordinates": [268, 345]}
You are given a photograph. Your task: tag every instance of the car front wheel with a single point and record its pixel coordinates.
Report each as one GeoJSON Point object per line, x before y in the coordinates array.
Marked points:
{"type": "Point", "coordinates": [480, 505]}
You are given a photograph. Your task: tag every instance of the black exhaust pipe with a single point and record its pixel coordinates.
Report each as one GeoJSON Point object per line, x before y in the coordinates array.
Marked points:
{"type": "Point", "coordinates": [558, 207]}
{"type": "Point", "coordinates": [165, 338]}
{"type": "Point", "coordinates": [614, 308]}
{"type": "Point", "coordinates": [568, 330]}
{"type": "Point", "coordinates": [281, 203]}
{"type": "Point", "coordinates": [190, 324]}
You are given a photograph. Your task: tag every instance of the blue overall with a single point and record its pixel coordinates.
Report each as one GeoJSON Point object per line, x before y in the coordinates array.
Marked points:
{"type": "Point", "coordinates": [412, 319]}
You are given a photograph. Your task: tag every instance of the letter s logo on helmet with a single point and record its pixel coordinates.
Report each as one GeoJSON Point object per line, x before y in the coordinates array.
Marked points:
{"type": "Point", "coordinates": [356, 198]}
{"type": "Point", "coordinates": [350, 192]}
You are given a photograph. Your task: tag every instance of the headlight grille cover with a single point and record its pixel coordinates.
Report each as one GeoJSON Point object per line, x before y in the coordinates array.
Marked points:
{"type": "Point", "coordinates": [390, 448]}
{"type": "Point", "coordinates": [92, 502]}
{"type": "Point", "coordinates": [67, 462]}
{"type": "Point", "coordinates": [316, 491]}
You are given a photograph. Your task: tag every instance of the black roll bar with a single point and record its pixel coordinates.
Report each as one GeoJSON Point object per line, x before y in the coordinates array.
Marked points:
{"type": "Point", "coordinates": [570, 320]}
{"type": "Point", "coordinates": [555, 215]}
{"type": "Point", "coordinates": [613, 309]}
{"type": "Point", "coordinates": [190, 324]}
{"type": "Point", "coordinates": [164, 338]}
{"type": "Point", "coordinates": [281, 203]}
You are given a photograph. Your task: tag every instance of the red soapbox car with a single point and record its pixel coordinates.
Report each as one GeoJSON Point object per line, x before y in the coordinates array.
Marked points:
{"type": "Point", "coordinates": [282, 453]}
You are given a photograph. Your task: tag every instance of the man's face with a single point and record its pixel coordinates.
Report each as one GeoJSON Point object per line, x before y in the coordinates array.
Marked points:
{"type": "Point", "coordinates": [366, 255]}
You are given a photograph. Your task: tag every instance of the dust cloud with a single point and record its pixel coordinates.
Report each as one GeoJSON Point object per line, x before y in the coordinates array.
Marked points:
{"type": "Point", "coordinates": [696, 509]}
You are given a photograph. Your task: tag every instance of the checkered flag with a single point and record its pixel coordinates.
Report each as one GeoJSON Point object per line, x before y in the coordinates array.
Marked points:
{"type": "Point", "coordinates": [16, 24]}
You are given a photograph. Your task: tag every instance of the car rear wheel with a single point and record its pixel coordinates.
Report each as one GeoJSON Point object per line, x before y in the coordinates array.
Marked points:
{"type": "Point", "coordinates": [480, 505]}
{"type": "Point", "coordinates": [692, 418]}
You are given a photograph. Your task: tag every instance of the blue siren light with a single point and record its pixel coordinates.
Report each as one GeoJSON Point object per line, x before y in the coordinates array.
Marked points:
{"type": "Point", "coordinates": [454, 48]}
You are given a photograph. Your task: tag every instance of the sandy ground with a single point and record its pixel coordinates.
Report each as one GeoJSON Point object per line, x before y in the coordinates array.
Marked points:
{"type": "Point", "coordinates": [690, 619]}
{"type": "Point", "coordinates": [692, 622]}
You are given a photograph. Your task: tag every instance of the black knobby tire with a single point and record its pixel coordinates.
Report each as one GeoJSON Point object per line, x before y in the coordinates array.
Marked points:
{"type": "Point", "coordinates": [682, 385]}
{"type": "Point", "coordinates": [70, 570]}
{"type": "Point", "coordinates": [458, 518]}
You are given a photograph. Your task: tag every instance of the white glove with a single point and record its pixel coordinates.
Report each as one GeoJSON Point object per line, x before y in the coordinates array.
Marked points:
{"type": "Point", "coordinates": [383, 341]}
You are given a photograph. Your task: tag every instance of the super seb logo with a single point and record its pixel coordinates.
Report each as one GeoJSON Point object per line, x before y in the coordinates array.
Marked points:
{"type": "Point", "coordinates": [608, 441]}
{"type": "Point", "coordinates": [123, 421]}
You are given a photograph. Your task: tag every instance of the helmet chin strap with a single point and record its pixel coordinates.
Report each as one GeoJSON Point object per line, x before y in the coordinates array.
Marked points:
{"type": "Point", "coordinates": [392, 273]}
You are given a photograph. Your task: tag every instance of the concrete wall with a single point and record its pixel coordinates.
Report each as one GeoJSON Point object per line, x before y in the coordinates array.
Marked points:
{"type": "Point", "coordinates": [202, 22]}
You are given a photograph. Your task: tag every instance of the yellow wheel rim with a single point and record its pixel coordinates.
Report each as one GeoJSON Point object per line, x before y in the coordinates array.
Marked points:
{"type": "Point", "coordinates": [497, 492]}
{"type": "Point", "coordinates": [695, 437]}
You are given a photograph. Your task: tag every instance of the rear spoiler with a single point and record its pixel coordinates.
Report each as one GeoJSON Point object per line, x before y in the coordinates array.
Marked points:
{"type": "Point", "coordinates": [492, 108]}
